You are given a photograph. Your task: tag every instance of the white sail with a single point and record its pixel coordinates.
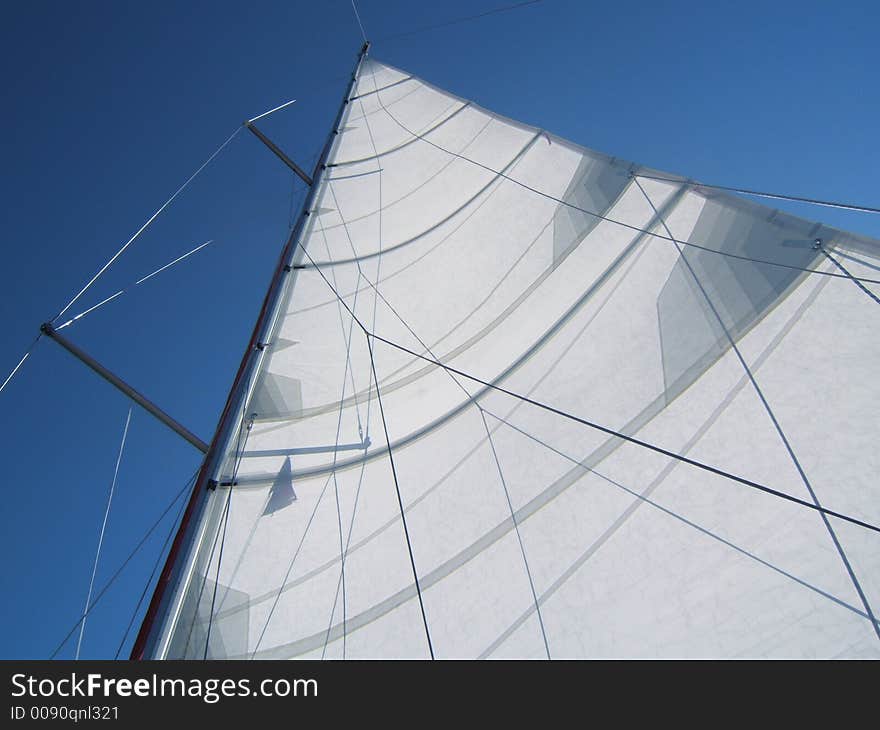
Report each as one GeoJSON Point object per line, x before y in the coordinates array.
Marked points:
{"type": "Point", "coordinates": [473, 240]}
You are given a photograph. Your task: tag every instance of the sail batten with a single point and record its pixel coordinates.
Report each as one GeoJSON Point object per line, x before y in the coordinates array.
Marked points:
{"type": "Point", "coordinates": [381, 492]}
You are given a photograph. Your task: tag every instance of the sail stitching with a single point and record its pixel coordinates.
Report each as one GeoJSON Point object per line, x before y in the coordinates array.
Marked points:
{"type": "Point", "coordinates": [856, 610]}
{"type": "Point", "coordinates": [399, 497]}
{"type": "Point", "coordinates": [348, 341]}
{"type": "Point", "coordinates": [774, 196]}
{"type": "Point", "coordinates": [620, 435]}
{"type": "Point", "coordinates": [348, 370]}
{"type": "Point", "coordinates": [772, 415]}
{"type": "Point", "coordinates": [612, 432]}
{"type": "Point", "coordinates": [654, 234]}
{"type": "Point", "coordinates": [468, 396]}
{"type": "Point", "coordinates": [375, 378]}
{"type": "Point", "coordinates": [852, 278]}
{"type": "Point", "coordinates": [519, 538]}
{"type": "Point", "coordinates": [416, 137]}
{"type": "Point", "coordinates": [644, 498]}
{"type": "Point", "coordinates": [290, 568]}
{"type": "Point", "coordinates": [449, 216]}
{"type": "Point", "coordinates": [364, 439]}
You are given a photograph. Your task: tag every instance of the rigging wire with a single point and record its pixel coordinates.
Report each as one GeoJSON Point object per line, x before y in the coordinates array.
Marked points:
{"type": "Point", "coordinates": [456, 21]}
{"type": "Point", "coordinates": [82, 626]}
{"type": "Point", "coordinates": [155, 215]}
{"type": "Point", "coordinates": [132, 286]}
{"type": "Point", "coordinates": [290, 568]}
{"type": "Point", "coordinates": [145, 225]}
{"type": "Point", "coordinates": [149, 581]}
{"type": "Point", "coordinates": [272, 111]}
{"type": "Point", "coordinates": [774, 196]}
{"type": "Point", "coordinates": [380, 235]}
{"type": "Point", "coordinates": [536, 602]}
{"type": "Point", "coordinates": [522, 547]}
{"type": "Point", "coordinates": [614, 221]}
{"type": "Point", "coordinates": [344, 546]}
{"type": "Point", "coordinates": [369, 335]}
{"type": "Point", "coordinates": [776, 424]}
{"type": "Point", "coordinates": [348, 341]}
{"type": "Point", "coordinates": [427, 348]}
{"type": "Point", "coordinates": [24, 357]}
{"type": "Point", "coordinates": [347, 370]}
{"type": "Point", "coordinates": [123, 565]}
{"type": "Point", "coordinates": [632, 439]}
{"type": "Point", "coordinates": [412, 559]}
{"type": "Point", "coordinates": [358, 16]}
{"type": "Point", "coordinates": [592, 424]}
{"type": "Point", "coordinates": [644, 498]}
{"type": "Point", "coordinates": [378, 295]}
{"type": "Point", "coordinates": [846, 271]}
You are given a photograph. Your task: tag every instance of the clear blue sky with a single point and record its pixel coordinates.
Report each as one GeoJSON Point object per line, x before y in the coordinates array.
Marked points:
{"type": "Point", "coordinates": [109, 106]}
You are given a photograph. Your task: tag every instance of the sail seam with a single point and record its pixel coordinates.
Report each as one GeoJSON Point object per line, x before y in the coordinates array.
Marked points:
{"type": "Point", "coordinates": [774, 196]}
{"type": "Point", "coordinates": [399, 498]}
{"type": "Point", "coordinates": [347, 371]}
{"type": "Point", "coordinates": [416, 136]}
{"type": "Point", "coordinates": [773, 419]}
{"type": "Point", "coordinates": [644, 498]}
{"type": "Point", "coordinates": [401, 146]}
{"type": "Point", "coordinates": [434, 226]}
{"type": "Point", "coordinates": [384, 424]}
{"type": "Point", "coordinates": [566, 317]}
{"type": "Point", "coordinates": [289, 568]}
{"type": "Point", "coordinates": [852, 278]}
{"type": "Point", "coordinates": [359, 621]}
{"type": "Point", "coordinates": [364, 438]}
{"type": "Point", "coordinates": [516, 529]}
{"type": "Point", "coordinates": [378, 294]}
{"type": "Point", "coordinates": [618, 434]}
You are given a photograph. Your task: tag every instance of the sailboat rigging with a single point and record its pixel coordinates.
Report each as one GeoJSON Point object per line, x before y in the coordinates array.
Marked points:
{"type": "Point", "coordinates": [507, 396]}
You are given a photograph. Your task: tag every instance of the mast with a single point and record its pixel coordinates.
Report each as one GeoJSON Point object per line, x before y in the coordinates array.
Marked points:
{"type": "Point", "coordinates": [187, 531]}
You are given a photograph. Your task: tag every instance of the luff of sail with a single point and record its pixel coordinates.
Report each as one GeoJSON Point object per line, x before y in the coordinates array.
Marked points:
{"type": "Point", "coordinates": [659, 309]}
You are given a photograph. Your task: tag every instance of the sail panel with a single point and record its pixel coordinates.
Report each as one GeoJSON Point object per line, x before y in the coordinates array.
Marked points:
{"type": "Point", "coordinates": [656, 309]}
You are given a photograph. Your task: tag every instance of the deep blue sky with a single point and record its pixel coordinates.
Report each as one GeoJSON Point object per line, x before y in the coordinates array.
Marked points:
{"type": "Point", "coordinates": [109, 106]}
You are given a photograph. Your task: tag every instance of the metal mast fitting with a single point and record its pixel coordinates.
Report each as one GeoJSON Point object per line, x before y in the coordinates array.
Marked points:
{"type": "Point", "coordinates": [144, 402]}
{"type": "Point", "coordinates": [279, 152]}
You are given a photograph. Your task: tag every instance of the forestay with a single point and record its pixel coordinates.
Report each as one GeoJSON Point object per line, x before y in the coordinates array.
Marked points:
{"type": "Point", "coordinates": [474, 241]}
